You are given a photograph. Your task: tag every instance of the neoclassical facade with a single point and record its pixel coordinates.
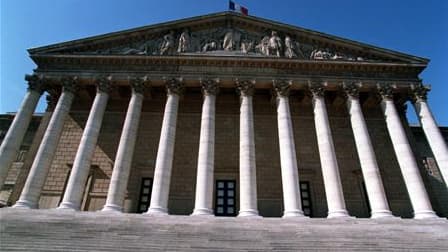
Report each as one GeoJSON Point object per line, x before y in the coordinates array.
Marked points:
{"type": "Point", "coordinates": [227, 115]}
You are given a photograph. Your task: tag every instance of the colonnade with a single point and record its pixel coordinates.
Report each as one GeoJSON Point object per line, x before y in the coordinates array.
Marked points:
{"type": "Point", "coordinates": [205, 170]}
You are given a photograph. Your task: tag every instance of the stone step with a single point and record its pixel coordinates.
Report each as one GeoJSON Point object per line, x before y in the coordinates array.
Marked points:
{"type": "Point", "coordinates": [54, 230]}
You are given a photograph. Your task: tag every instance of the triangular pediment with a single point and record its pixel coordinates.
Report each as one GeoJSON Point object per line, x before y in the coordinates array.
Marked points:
{"type": "Point", "coordinates": [228, 34]}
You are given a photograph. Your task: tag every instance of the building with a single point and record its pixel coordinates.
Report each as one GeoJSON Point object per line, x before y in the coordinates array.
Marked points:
{"type": "Point", "coordinates": [229, 115]}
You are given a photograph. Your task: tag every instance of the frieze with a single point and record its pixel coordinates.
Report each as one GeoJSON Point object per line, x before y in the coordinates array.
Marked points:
{"type": "Point", "coordinates": [229, 41]}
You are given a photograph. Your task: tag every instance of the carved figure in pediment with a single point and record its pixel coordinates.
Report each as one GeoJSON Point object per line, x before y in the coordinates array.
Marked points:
{"type": "Point", "coordinates": [167, 47]}
{"type": "Point", "coordinates": [247, 46]}
{"type": "Point", "coordinates": [289, 48]}
{"type": "Point", "coordinates": [320, 54]}
{"type": "Point", "coordinates": [231, 40]}
{"type": "Point", "coordinates": [210, 46]}
{"type": "Point", "coordinates": [263, 46]}
{"type": "Point", "coordinates": [275, 44]}
{"type": "Point", "coordinates": [184, 42]}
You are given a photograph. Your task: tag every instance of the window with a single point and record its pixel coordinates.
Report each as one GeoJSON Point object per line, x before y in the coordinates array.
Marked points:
{"type": "Point", "coordinates": [145, 195]}
{"type": "Point", "coordinates": [225, 200]}
{"type": "Point", "coordinates": [305, 194]}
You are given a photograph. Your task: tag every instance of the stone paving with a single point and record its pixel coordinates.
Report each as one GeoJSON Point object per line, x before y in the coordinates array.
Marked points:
{"type": "Point", "coordinates": [59, 230]}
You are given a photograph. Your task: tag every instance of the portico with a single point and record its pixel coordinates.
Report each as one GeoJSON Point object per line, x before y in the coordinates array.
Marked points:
{"type": "Point", "coordinates": [234, 130]}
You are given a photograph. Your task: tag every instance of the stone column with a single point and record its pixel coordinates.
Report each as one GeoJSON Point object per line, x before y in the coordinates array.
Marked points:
{"type": "Point", "coordinates": [122, 166]}
{"type": "Point", "coordinates": [81, 166]}
{"type": "Point", "coordinates": [248, 177]}
{"type": "Point", "coordinates": [206, 158]}
{"type": "Point", "coordinates": [164, 161]}
{"type": "Point", "coordinates": [329, 164]}
{"type": "Point", "coordinates": [29, 198]}
{"type": "Point", "coordinates": [370, 171]}
{"type": "Point", "coordinates": [409, 169]}
{"type": "Point", "coordinates": [432, 132]}
{"type": "Point", "coordinates": [17, 130]}
{"type": "Point", "coordinates": [288, 160]}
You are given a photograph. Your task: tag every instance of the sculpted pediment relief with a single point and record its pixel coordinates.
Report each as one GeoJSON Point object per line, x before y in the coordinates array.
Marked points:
{"type": "Point", "coordinates": [229, 41]}
{"type": "Point", "coordinates": [228, 34]}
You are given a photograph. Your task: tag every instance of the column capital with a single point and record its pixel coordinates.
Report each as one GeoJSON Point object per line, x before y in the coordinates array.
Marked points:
{"type": "Point", "coordinates": [351, 89]}
{"type": "Point", "coordinates": [316, 89]}
{"type": "Point", "coordinates": [385, 90]}
{"type": "Point", "coordinates": [210, 86]}
{"type": "Point", "coordinates": [139, 83]}
{"type": "Point", "coordinates": [174, 86]}
{"type": "Point", "coordinates": [103, 83]}
{"type": "Point", "coordinates": [282, 87]}
{"type": "Point", "coordinates": [35, 82]}
{"type": "Point", "coordinates": [245, 87]}
{"type": "Point", "coordinates": [70, 84]}
{"type": "Point", "coordinates": [419, 92]}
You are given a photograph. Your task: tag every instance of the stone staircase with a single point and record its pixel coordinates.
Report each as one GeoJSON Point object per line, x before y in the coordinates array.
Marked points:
{"type": "Point", "coordinates": [55, 230]}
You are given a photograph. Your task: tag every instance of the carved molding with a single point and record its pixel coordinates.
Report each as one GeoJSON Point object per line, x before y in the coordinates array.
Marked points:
{"type": "Point", "coordinates": [245, 87]}
{"type": "Point", "coordinates": [103, 84]}
{"type": "Point", "coordinates": [385, 90]}
{"type": "Point", "coordinates": [282, 87]}
{"type": "Point", "coordinates": [35, 82]}
{"type": "Point", "coordinates": [174, 86]}
{"type": "Point", "coordinates": [210, 86]}
{"type": "Point", "coordinates": [419, 92]}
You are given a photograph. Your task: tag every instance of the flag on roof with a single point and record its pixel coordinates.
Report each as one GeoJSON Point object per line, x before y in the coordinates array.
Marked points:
{"type": "Point", "coordinates": [238, 8]}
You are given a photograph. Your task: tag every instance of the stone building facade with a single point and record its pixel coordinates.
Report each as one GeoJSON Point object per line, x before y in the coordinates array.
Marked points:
{"type": "Point", "coordinates": [229, 115]}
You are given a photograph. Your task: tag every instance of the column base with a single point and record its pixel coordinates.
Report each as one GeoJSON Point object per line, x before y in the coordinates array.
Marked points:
{"type": "Point", "coordinates": [202, 212]}
{"type": "Point", "coordinates": [381, 214]}
{"type": "Point", "coordinates": [68, 206]}
{"type": "Point", "coordinates": [338, 214]}
{"type": "Point", "coordinates": [156, 211]}
{"type": "Point", "coordinates": [248, 213]}
{"type": "Point", "coordinates": [292, 214]}
{"type": "Point", "coordinates": [111, 208]}
{"type": "Point", "coordinates": [425, 215]}
{"type": "Point", "coordinates": [25, 204]}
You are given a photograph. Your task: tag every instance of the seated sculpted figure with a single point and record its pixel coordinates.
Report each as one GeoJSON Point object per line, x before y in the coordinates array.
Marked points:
{"type": "Point", "coordinates": [210, 46]}
{"type": "Point", "coordinates": [167, 47]}
{"type": "Point", "coordinates": [263, 46]}
{"type": "Point", "coordinates": [275, 44]}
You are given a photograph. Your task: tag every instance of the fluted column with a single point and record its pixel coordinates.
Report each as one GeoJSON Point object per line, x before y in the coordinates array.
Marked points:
{"type": "Point", "coordinates": [432, 131]}
{"type": "Point", "coordinates": [328, 162]}
{"type": "Point", "coordinates": [164, 161]}
{"type": "Point", "coordinates": [29, 198]}
{"type": "Point", "coordinates": [206, 158]}
{"type": "Point", "coordinates": [17, 130]}
{"type": "Point", "coordinates": [122, 166]}
{"type": "Point", "coordinates": [409, 169]}
{"type": "Point", "coordinates": [248, 177]}
{"type": "Point", "coordinates": [81, 166]}
{"type": "Point", "coordinates": [288, 160]}
{"type": "Point", "coordinates": [370, 171]}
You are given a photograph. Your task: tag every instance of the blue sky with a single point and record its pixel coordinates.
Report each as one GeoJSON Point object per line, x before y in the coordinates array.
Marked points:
{"type": "Point", "coordinates": [415, 27]}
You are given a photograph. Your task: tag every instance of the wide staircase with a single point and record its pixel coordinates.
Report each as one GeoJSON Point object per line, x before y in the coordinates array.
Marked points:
{"type": "Point", "coordinates": [55, 230]}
